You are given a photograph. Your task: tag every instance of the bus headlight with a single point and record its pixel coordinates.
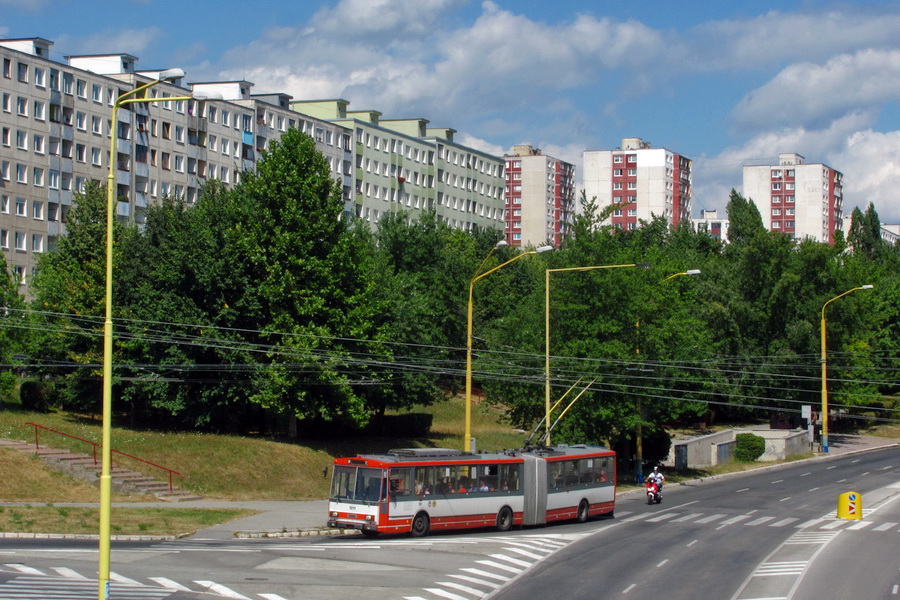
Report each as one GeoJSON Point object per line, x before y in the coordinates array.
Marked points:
{"type": "Point", "coordinates": [369, 517]}
{"type": "Point", "coordinates": [334, 514]}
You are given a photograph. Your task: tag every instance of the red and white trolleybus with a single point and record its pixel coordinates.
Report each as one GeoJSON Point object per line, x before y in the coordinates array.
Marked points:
{"type": "Point", "coordinates": [417, 490]}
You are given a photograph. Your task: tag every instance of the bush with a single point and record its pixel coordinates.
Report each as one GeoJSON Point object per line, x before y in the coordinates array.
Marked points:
{"type": "Point", "coordinates": [748, 447]}
{"type": "Point", "coordinates": [37, 396]}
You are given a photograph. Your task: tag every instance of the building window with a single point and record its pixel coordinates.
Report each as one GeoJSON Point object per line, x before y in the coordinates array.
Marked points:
{"type": "Point", "coordinates": [776, 224]}
{"type": "Point", "coordinates": [632, 172]}
{"type": "Point", "coordinates": [95, 157]}
{"type": "Point", "coordinates": [7, 102]}
{"type": "Point", "coordinates": [21, 174]}
{"type": "Point", "coordinates": [617, 159]}
{"type": "Point", "coordinates": [776, 186]}
{"type": "Point", "coordinates": [21, 241]}
{"type": "Point", "coordinates": [38, 144]}
{"type": "Point", "coordinates": [22, 72]}
{"type": "Point", "coordinates": [81, 121]}
{"type": "Point", "coordinates": [81, 89]}
{"type": "Point", "coordinates": [96, 125]}
{"type": "Point", "coordinates": [166, 162]}
{"type": "Point", "coordinates": [21, 207]}
{"type": "Point", "coordinates": [179, 163]}
{"type": "Point", "coordinates": [39, 77]}
{"type": "Point", "coordinates": [37, 243]}
{"type": "Point", "coordinates": [22, 106]}
{"type": "Point", "coordinates": [38, 176]}
{"type": "Point", "coordinates": [4, 204]}
{"type": "Point", "coordinates": [80, 153]}
{"type": "Point", "coordinates": [37, 210]}
{"type": "Point", "coordinates": [21, 140]}
{"type": "Point", "coordinates": [4, 239]}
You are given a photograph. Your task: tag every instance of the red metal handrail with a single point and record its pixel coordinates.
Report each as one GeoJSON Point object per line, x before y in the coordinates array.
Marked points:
{"type": "Point", "coordinates": [95, 445]}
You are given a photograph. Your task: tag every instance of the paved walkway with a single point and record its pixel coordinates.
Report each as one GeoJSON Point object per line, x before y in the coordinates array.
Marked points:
{"type": "Point", "coordinates": [307, 518]}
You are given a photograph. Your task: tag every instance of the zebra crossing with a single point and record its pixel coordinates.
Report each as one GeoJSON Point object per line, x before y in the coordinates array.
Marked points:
{"type": "Point", "coordinates": [521, 553]}
{"type": "Point", "coordinates": [63, 583]}
{"type": "Point", "coordinates": [517, 555]}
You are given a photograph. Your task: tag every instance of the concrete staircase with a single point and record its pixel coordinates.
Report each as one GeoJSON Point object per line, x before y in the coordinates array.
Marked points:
{"type": "Point", "coordinates": [82, 466]}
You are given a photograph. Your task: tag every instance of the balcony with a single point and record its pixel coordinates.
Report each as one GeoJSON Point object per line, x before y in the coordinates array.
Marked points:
{"type": "Point", "coordinates": [123, 209]}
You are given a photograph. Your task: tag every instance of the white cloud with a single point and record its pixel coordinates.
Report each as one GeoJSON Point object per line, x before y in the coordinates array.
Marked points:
{"type": "Point", "coordinates": [807, 93]}
{"type": "Point", "coordinates": [129, 41]}
{"type": "Point", "coordinates": [776, 37]}
{"type": "Point", "coordinates": [870, 162]}
{"type": "Point", "coordinates": [393, 18]}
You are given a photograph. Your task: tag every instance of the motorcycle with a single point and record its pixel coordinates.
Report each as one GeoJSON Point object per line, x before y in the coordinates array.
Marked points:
{"type": "Point", "coordinates": [653, 494]}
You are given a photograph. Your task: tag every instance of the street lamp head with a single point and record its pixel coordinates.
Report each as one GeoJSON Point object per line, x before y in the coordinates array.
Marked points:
{"type": "Point", "coordinates": [692, 272]}
{"type": "Point", "coordinates": [501, 244]}
{"type": "Point", "coordinates": [543, 249]}
{"type": "Point", "coordinates": [170, 74]}
{"type": "Point", "coordinates": [643, 265]}
{"type": "Point", "coordinates": [866, 287]}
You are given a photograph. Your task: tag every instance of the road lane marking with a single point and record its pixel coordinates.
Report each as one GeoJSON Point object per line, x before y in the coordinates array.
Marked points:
{"type": "Point", "coordinates": [463, 588]}
{"type": "Point", "coordinates": [784, 522]}
{"type": "Point", "coordinates": [884, 527]}
{"type": "Point", "coordinates": [221, 590]}
{"type": "Point", "coordinates": [832, 525]}
{"type": "Point", "coordinates": [709, 519]}
{"type": "Point", "coordinates": [687, 517]}
{"type": "Point", "coordinates": [69, 573]}
{"type": "Point", "coordinates": [692, 543]}
{"type": "Point", "coordinates": [785, 499]}
{"type": "Point", "coordinates": [831, 467]}
{"type": "Point", "coordinates": [809, 523]}
{"type": "Point", "coordinates": [168, 583]}
{"type": "Point", "coordinates": [813, 489]}
{"type": "Point", "coordinates": [510, 559]}
{"type": "Point", "coordinates": [742, 490]}
{"type": "Point", "coordinates": [860, 525]}
{"type": "Point", "coordinates": [662, 563]}
{"type": "Point", "coordinates": [662, 517]}
{"type": "Point", "coordinates": [629, 588]}
{"type": "Point", "coordinates": [445, 594]}
{"type": "Point", "coordinates": [502, 567]}
{"type": "Point", "coordinates": [759, 521]}
{"type": "Point", "coordinates": [272, 597]}
{"type": "Point", "coordinates": [473, 571]}
{"type": "Point", "coordinates": [732, 521]}
{"type": "Point", "coordinates": [805, 474]}
{"type": "Point", "coordinates": [23, 569]}
{"type": "Point", "coordinates": [777, 481]}
{"type": "Point", "coordinates": [124, 580]}
{"type": "Point", "coordinates": [524, 553]}
{"type": "Point", "coordinates": [779, 568]}
{"type": "Point", "coordinates": [476, 581]}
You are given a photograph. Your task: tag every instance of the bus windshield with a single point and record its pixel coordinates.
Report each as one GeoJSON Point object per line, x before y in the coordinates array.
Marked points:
{"type": "Point", "coordinates": [360, 484]}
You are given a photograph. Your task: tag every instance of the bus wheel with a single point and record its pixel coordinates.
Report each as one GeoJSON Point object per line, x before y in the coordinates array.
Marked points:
{"type": "Point", "coordinates": [369, 533]}
{"type": "Point", "coordinates": [583, 511]}
{"type": "Point", "coordinates": [420, 525]}
{"type": "Point", "coordinates": [504, 519]}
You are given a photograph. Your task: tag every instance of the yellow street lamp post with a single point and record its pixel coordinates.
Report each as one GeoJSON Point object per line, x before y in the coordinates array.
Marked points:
{"type": "Point", "coordinates": [639, 467]}
{"type": "Point", "coordinates": [130, 97]}
{"type": "Point", "coordinates": [825, 368]}
{"type": "Point", "coordinates": [467, 441]}
{"type": "Point", "coordinates": [547, 332]}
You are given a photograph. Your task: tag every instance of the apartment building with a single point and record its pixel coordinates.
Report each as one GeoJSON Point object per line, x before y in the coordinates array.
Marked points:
{"type": "Point", "coordinates": [56, 119]}
{"type": "Point", "coordinates": [540, 198]}
{"type": "Point", "coordinates": [640, 182]}
{"type": "Point", "coordinates": [712, 224]}
{"type": "Point", "coordinates": [798, 199]}
{"type": "Point", "coordinates": [403, 164]}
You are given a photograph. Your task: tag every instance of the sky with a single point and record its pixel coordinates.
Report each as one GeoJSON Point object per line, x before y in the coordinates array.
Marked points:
{"type": "Point", "coordinates": [722, 83]}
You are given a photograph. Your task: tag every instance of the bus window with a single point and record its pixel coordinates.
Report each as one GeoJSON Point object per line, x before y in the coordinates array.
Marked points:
{"type": "Point", "coordinates": [509, 478]}
{"type": "Point", "coordinates": [401, 482]}
{"type": "Point", "coordinates": [426, 481]}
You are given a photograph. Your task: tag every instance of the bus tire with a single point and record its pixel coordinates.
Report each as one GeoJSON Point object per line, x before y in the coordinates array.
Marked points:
{"type": "Point", "coordinates": [369, 533]}
{"type": "Point", "coordinates": [420, 525]}
{"type": "Point", "coordinates": [583, 511]}
{"type": "Point", "coordinates": [505, 519]}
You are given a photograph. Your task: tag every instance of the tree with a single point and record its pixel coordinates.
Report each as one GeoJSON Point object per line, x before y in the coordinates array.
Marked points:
{"type": "Point", "coordinates": [12, 328]}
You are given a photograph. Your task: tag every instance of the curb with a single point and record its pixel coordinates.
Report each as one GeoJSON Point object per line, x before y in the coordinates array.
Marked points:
{"type": "Point", "coordinates": [291, 533]}
{"type": "Point", "coordinates": [88, 536]}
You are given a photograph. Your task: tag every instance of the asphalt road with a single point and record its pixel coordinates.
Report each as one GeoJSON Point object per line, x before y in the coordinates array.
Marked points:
{"type": "Point", "coordinates": [760, 535]}
{"type": "Point", "coordinates": [766, 534]}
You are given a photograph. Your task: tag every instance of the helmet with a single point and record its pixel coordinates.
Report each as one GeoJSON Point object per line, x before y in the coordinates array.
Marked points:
{"type": "Point", "coordinates": [655, 469]}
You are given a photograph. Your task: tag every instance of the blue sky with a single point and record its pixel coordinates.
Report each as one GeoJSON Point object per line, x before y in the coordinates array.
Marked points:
{"type": "Point", "coordinates": [724, 83]}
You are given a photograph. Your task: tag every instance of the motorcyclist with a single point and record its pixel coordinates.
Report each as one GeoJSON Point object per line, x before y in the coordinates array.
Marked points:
{"type": "Point", "coordinates": [658, 478]}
